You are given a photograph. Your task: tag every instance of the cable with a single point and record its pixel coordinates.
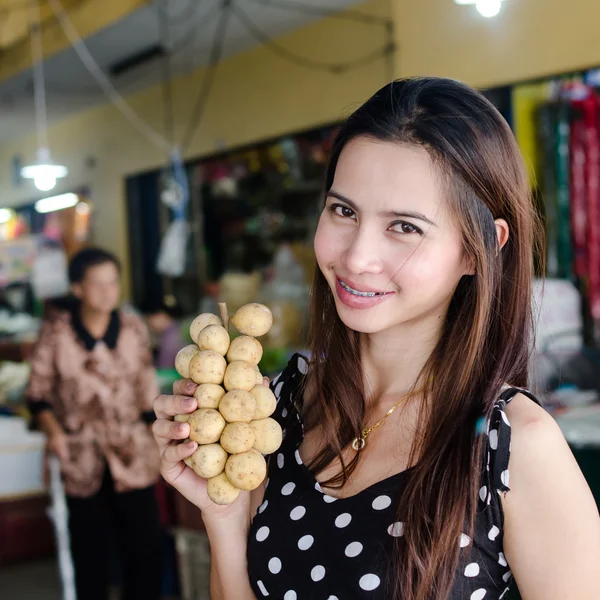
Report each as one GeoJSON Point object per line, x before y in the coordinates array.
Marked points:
{"type": "Point", "coordinates": [39, 91]}
{"type": "Point", "coordinates": [186, 40]}
{"type": "Point", "coordinates": [207, 82]}
{"type": "Point", "coordinates": [102, 80]}
{"type": "Point", "coordinates": [167, 83]}
{"type": "Point", "coordinates": [186, 15]}
{"type": "Point", "coordinates": [258, 34]}
{"type": "Point", "coordinates": [347, 15]}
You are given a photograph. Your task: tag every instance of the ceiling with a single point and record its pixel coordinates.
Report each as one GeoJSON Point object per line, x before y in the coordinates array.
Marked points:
{"type": "Point", "coordinates": [192, 26]}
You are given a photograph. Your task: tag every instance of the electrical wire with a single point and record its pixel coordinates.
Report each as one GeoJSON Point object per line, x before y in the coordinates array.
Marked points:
{"type": "Point", "coordinates": [102, 80]}
{"type": "Point", "coordinates": [216, 52]}
{"type": "Point", "coordinates": [262, 37]}
{"type": "Point", "coordinates": [167, 83]}
{"type": "Point", "coordinates": [346, 15]}
{"type": "Point", "coordinates": [190, 37]}
{"type": "Point", "coordinates": [39, 91]}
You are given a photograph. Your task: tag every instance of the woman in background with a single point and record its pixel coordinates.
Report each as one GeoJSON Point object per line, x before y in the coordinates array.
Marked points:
{"type": "Point", "coordinates": [91, 390]}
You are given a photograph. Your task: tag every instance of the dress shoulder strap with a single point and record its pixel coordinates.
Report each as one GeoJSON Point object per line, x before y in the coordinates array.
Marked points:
{"type": "Point", "coordinates": [286, 387]}
{"type": "Point", "coordinates": [499, 438]}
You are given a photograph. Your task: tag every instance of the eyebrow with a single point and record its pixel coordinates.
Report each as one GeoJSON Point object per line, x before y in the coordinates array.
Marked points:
{"type": "Point", "coordinates": [391, 213]}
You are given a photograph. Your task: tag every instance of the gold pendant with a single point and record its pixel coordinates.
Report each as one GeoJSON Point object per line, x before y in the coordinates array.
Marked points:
{"type": "Point", "coordinates": [359, 443]}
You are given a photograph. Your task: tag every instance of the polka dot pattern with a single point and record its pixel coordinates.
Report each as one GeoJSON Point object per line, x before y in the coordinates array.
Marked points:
{"type": "Point", "coordinates": [339, 547]}
{"type": "Point", "coordinates": [306, 542]}
{"type": "Point", "coordinates": [382, 502]}
{"type": "Point", "coordinates": [369, 582]}
{"type": "Point", "coordinates": [353, 549]}
{"type": "Point", "coordinates": [288, 488]}
{"type": "Point", "coordinates": [275, 566]}
{"type": "Point", "coordinates": [343, 520]}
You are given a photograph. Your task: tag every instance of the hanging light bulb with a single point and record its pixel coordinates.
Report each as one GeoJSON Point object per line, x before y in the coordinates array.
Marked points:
{"type": "Point", "coordinates": [45, 172]}
{"type": "Point", "coordinates": [488, 8]}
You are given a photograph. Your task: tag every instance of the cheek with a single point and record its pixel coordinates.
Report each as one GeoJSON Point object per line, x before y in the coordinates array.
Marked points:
{"type": "Point", "coordinates": [430, 267]}
{"type": "Point", "coordinates": [324, 244]}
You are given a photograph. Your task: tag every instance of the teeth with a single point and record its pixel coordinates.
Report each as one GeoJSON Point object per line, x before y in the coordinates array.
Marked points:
{"type": "Point", "coordinates": [357, 293]}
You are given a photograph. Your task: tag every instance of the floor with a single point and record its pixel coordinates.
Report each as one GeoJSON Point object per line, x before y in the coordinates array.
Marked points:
{"type": "Point", "coordinates": [33, 581]}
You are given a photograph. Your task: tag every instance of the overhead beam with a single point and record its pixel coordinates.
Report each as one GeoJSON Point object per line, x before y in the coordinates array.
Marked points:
{"type": "Point", "coordinates": [87, 16]}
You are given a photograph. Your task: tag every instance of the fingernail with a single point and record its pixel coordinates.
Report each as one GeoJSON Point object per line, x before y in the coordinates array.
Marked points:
{"type": "Point", "coordinates": [191, 445]}
{"type": "Point", "coordinates": [188, 402]}
{"type": "Point", "coordinates": [191, 386]}
{"type": "Point", "coordinates": [181, 427]}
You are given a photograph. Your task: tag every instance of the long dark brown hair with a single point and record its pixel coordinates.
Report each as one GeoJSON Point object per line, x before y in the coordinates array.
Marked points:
{"type": "Point", "coordinates": [487, 331]}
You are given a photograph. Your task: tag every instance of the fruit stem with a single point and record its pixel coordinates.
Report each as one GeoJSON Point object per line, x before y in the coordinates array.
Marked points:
{"type": "Point", "coordinates": [224, 315]}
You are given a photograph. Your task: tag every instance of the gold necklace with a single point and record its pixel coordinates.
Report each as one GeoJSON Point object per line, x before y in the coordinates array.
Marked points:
{"type": "Point", "coordinates": [360, 442]}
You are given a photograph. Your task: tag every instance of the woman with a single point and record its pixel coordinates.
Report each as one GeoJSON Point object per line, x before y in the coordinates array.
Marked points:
{"type": "Point", "coordinates": [393, 477]}
{"type": "Point", "coordinates": [91, 390]}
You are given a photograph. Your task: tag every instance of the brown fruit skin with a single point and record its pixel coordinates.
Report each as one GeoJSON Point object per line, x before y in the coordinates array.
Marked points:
{"type": "Point", "coordinates": [183, 359]}
{"type": "Point", "coordinates": [202, 321]}
{"type": "Point", "coordinates": [221, 491]}
{"type": "Point", "coordinates": [246, 348]}
{"type": "Point", "coordinates": [206, 426]}
{"type": "Point", "coordinates": [246, 471]}
{"type": "Point", "coordinates": [239, 375]}
{"type": "Point", "coordinates": [207, 367]}
{"type": "Point", "coordinates": [237, 438]}
{"type": "Point", "coordinates": [266, 403]}
{"type": "Point", "coordinates": [268, 435]}
{"type": "Point", "coordinates": [253, 319]}
{"type": "Point", "coordinates": [209, 395]}
{"type": "Point", "coordinates": [238, 406]}
{"type": "Point", "coordinates": [215, 338]}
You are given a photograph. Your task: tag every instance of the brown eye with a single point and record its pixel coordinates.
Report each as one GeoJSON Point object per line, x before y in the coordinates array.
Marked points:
{"type": "Point", "coordinates": [343, 211]}
{"type": "Point", "coordinates": [406, 228]}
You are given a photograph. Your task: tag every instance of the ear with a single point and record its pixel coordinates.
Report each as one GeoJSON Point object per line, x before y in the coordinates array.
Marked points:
{"type": "Point", "coordinates": [502, 232]}
{"type": "Point", "coordinates": [77, 290]}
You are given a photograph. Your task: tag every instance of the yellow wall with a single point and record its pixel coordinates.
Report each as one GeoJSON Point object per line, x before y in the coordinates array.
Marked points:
{"type": "Point", "coordinates": [255, 95]}
{"type": "Point", "coordinates": [258, 95]}
{"type": "Point", "coordinates": [529, 38]}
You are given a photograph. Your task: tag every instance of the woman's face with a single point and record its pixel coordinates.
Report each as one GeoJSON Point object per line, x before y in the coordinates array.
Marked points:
{"type": "Point", "coordinates": [387, 243]}
{"type": "Point", "coordinates": [100, 289]}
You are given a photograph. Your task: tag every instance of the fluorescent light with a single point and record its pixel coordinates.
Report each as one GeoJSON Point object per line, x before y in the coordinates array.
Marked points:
{"type": "Point", "coordinates": [5, 215]}
{"type": "Point", "coordinates": [46, 205]}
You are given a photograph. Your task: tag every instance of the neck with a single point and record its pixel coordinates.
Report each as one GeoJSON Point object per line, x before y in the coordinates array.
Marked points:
{"type": "Point", "coordinates": [394, 359]}
{"type": "Point", "coordinates": [94, 321]}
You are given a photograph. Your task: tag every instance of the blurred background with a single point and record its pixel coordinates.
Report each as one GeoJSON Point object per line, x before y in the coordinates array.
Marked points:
{"type": "Point", "coordinates": [190, 137]}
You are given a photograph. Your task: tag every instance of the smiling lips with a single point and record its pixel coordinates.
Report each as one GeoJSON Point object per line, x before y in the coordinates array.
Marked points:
{"type": "Point", "coordinates": [364, 294]}
{"type": "Point", "coordinates": [353, 297]}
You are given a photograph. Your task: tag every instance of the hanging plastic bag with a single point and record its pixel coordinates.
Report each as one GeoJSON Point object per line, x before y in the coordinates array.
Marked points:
{"type": "Point", "coordinates": [171, 256]}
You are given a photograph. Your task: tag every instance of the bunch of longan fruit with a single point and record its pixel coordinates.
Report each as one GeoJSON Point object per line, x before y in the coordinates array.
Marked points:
{"type": "Point", "coordinates": [232, 425]}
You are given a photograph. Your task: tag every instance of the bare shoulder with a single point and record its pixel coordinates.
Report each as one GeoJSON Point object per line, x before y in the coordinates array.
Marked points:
{"type": "Point", "coordinates": [539, 451]}
{"type": "Point", "coordinates": [551, 524]}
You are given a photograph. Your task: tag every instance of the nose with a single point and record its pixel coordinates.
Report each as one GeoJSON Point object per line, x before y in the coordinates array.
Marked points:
{"type": "Point", "coordinates": [363, 255]}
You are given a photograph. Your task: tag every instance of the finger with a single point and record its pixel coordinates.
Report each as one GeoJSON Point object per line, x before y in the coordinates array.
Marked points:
{"type": "Point", "coordinates": [168, 430]}
{"type": "Point", "coordinates": [266, 381]}
{"type": "Point", "coordinates": [177, 452]}
{"type": "Point", "coordinates": [169, 406]}
{"type": "Point", "coordinates": [184, 387]}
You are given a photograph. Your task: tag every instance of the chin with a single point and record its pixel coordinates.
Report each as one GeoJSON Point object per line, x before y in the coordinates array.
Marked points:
{"type": "Point", "coordinates": [362, 321]}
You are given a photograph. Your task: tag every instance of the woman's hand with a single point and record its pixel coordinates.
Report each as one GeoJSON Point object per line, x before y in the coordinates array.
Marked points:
{"type": "Point", "coordinates": [169, 436]}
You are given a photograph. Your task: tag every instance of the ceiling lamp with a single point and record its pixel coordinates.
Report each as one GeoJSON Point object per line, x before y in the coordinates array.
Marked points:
{"type": "Point", "coordinates": [46, 205]}
{"type": "Point", "coordinates": [45, 172]}
{"type": "Point", "coordinates": [487, 8]}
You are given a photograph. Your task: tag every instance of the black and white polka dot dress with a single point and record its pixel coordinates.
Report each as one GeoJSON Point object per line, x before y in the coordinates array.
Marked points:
{"type": "Point", "coordinates": [304, 544]}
